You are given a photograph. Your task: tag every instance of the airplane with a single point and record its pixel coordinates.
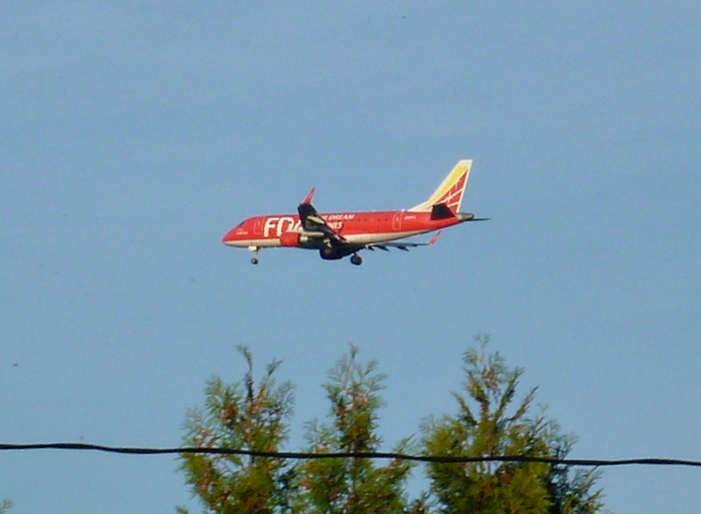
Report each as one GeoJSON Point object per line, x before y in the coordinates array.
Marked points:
{"type": "Point", "coordinates": [337, 235]}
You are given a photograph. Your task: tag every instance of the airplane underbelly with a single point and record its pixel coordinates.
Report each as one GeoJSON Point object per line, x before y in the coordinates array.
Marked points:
{"type": "Point", "coordinates": [260, 243]}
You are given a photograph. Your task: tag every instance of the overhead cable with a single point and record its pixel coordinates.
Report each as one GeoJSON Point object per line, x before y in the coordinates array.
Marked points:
{"type": "Point", "coordinates": [348, 455]}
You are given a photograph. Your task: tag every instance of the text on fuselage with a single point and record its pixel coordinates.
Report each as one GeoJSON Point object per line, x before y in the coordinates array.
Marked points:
{"type": "Point", "coordinates": [278, 225]}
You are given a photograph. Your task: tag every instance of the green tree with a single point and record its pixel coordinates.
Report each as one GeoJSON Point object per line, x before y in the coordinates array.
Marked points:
{"type": "Point", "coordinates": [245, 416]}
{"type": "Point", "coordinates": [488, 424]}
{"type": "Point", "coordinates": [352, 485]}
{"type": "Point", "coordinates": [5, 505]}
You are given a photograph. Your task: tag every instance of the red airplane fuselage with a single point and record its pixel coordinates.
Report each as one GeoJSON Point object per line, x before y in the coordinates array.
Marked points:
{"type": "Point", "coordinates": [357, 227]}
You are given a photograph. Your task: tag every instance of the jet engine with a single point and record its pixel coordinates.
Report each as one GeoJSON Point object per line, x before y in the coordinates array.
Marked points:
{"type": "Point", "coordinates": [291, 239]}
{"type": "Point", "coordinates": [296, 239]}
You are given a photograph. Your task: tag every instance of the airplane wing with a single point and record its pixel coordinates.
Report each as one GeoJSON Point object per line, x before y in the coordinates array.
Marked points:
{"type": "Point", "coordinates": [402, 245]}
{"type": "Point", "coordinates": [314, 224]}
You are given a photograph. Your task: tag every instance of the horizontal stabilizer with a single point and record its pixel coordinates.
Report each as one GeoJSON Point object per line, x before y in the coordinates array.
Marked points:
{"type": "Point", "coordinates": [435, 238]}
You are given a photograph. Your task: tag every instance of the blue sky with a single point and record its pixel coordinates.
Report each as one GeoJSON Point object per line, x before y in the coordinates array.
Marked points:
{"type": "Point", "coordinates": [135, 135]}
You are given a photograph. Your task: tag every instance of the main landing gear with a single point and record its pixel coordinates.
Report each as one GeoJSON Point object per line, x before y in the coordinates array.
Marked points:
{"type": "Point", "coordinates": [356, 259]}
{"type": "Point", "coordinates": [255, 250]}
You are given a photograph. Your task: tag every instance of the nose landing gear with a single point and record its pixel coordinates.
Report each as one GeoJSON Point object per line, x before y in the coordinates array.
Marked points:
{"type": "Point", "coordinates": [255, 250]}
{"type": "Point", "coordinates": [356, 259]}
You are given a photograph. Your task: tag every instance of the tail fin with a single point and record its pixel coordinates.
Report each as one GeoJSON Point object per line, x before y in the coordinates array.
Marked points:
{"type": "Point", "coordinates": [451, 190]}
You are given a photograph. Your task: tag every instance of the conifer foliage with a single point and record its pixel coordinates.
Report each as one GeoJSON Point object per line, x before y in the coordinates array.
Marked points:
{"type": "Point", "coordinates": [354, 485]}
{"type": "Point", "coordinates": [491, 421]}
{"type": "Point", "coordinates": [252, 416]}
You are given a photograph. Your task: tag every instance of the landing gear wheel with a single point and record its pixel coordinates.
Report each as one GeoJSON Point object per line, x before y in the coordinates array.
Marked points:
{"type": "Point", "coordinates": [254, 260]}
{"type": "Point", "coordinates": [356, 259]}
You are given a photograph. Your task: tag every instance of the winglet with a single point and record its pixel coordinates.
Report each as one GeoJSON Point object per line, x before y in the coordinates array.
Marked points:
{"type": "Point", "coordinates": [435, 238]}
{"type": "Point", "coordinates": [308, 199]}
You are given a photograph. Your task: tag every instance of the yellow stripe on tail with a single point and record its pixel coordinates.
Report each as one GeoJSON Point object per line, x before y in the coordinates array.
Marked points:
{"type": "Point", "coordinates": [451, 190]}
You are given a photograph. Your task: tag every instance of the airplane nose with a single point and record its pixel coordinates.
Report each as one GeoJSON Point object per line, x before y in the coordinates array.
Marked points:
{"type": "Point", "coordinates": [238, 233]}
{"type": "Point", "coordinates": [229, 236]}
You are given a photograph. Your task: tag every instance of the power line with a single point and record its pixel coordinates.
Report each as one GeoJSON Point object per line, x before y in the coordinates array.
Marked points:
{"type": "Point", "coordinates": [349, 455]}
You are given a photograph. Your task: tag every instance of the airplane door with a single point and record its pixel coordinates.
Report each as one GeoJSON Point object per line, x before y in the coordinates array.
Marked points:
{"type": "Point", "coordinates": [258, 227]}
{"type": "Point", "coordinates": [397, 221]}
